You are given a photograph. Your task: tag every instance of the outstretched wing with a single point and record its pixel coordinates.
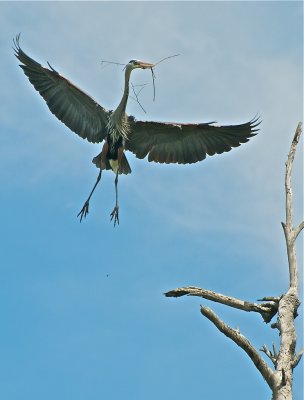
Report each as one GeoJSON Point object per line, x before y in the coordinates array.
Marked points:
{"type": "Point", "coordinates": [77, 110]}
{"type": "Point", "coordinates": [185, 143]}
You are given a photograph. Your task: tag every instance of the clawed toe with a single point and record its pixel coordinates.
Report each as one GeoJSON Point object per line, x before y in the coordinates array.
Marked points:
{"type": "Point", "coordinates": [114, 215]}
{"type": "Point", "coordinates": [84, 211]}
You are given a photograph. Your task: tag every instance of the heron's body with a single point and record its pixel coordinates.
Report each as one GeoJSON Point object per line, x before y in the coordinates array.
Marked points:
{"type": "Point", "coordinates": [161, 142]}
{"type": "Point", "coordinates": [113, 145]}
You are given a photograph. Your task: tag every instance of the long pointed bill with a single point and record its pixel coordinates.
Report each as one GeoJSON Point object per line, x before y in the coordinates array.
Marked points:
{"type": "Point", "coordinates": [145, 65]}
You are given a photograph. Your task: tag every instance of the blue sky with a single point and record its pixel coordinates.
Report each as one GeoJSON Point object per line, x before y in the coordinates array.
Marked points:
{"type": "Point", "coordinates": [82, 309]}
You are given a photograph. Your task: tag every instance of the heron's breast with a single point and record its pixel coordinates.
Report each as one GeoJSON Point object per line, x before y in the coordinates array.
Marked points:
{"type": "Point", "coordinates": [114, 145]}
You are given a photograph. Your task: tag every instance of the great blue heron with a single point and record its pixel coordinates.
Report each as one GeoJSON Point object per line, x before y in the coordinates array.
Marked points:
{"type": "Point", "coordinates": [162, 142]}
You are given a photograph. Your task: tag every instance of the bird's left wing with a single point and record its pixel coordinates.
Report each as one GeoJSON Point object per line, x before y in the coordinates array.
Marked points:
{"type": "Point", "coordinates": [185, 143]}
{"type": "Point", "coordinates": [77, 110]}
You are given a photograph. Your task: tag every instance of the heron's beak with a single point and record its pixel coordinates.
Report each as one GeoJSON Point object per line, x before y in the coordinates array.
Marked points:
{"type": "Point", "coordinates": [145, 65]}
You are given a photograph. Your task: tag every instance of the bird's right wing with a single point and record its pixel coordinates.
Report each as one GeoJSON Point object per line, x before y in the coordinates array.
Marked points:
{"type": "Point", "coordinates": [77, 110]}
{"type": "Point", "coordinates": [185, 143]}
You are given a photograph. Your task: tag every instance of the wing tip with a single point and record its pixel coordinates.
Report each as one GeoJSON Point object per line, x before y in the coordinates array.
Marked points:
{"type": "Point", "coordinates": [16, 42]}
{"type": "Point", "coordinates": [254, 123]}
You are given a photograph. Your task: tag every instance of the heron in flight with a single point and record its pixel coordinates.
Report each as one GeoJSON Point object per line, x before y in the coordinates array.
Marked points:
{"type": "Point", "coordinates": [162, 142]}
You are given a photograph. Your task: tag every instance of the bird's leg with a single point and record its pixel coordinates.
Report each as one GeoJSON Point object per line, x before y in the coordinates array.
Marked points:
{"type": "Point", "coordinates": [114, 213]}
{"type": "Point", "coordinates": [85, 209]}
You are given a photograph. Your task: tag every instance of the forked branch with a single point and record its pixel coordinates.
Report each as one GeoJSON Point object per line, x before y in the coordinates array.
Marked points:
{"type": "Point", "coordinates": [272, 355]}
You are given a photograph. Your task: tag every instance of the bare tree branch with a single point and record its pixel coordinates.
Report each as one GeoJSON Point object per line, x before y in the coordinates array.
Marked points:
{"type": "Point", "coordinates": [297, 358]}
{"type": "Point", "coordinates": [243, 342]}
{"type": "Point", "coordinates": [271, 355]}
{"type": "Point", "coordinates": [267, 310]}
{"type": "Point", "coordinates": [274, 350]}
{"type": "Point", "coordinates": [289, 232]}
{"type": "Point", "coordinates": [298, 229]}
{"type": "Point", "coordinates": [271, 298]}
{"type": "Point", "coordinates": [289, 163]}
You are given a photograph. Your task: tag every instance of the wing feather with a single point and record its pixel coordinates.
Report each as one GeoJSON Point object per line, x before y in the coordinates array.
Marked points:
{"type": "Point", "coordinates": [185, 143]}
{"type": "Point", "coordinates": [77, 110]}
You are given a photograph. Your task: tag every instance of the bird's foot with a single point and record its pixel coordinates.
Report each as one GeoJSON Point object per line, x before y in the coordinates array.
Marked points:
{"type": "Point", "coordinates": [84, 211]}
{"type": "Point", "coordinates": [114, 215]}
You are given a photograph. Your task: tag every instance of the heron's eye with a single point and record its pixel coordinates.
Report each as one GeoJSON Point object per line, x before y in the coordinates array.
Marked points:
{"type": "Point", "coordinates": [133, 62]}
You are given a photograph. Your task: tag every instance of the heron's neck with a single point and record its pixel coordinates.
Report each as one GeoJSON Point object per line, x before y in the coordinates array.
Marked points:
{"type": "Point", "coordinates": [121, 109]}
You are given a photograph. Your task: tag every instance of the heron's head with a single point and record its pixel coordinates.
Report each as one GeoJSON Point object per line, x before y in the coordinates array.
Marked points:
{"type": "Point", "coordinates": [139, 64]}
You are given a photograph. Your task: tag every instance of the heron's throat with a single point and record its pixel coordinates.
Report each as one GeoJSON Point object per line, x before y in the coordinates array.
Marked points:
{"type": "Point", "coordinates": [120, 111]}
{"type": "Point", "coordinates": [118, 122]}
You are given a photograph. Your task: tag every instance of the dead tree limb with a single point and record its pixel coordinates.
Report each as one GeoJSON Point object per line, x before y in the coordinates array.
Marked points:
{"type": "Point", "coordinates": [297, 358]}
{"type": "Point", "coordinates": [285, 306]}
{"type": "Point", "coordinates": [267, 310]}
{"type": "Point", "coordinates": [289, 303]}
{"type": "Point", "coordinates": [243, 342]}
{"type": "Point", "coordinates": [272, 355]}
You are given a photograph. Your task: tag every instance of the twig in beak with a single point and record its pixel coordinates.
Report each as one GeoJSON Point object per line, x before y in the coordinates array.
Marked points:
{"type": "Point", "coordinates": [136, 96]}
{"type": "Point", "coordinates": [153, 80]}
{"type": "Point", "coordinates": [166, 58]}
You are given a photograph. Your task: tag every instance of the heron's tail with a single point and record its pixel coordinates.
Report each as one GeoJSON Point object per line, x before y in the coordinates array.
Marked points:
{"type": "Point", "coordinates": [124, 165]}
